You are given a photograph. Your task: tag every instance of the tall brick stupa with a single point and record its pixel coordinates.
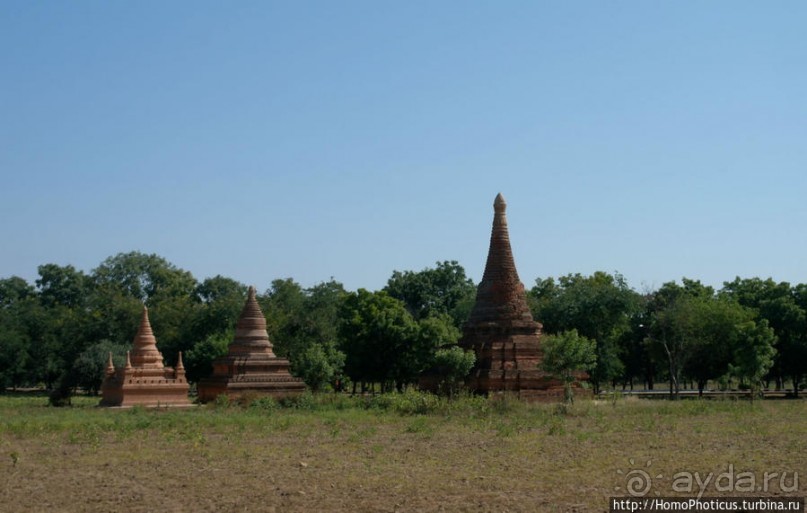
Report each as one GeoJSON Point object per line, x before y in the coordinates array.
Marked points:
{"type": "Point", "coordinates": [501, 329]}
{"type": "Point", "coordinates": [250, 367]}
{"type": "Point", "coordinates": [144, 380]}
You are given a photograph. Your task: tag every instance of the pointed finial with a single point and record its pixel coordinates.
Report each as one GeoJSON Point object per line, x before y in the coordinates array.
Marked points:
{"type": "Point", "coordinates": [128, 360]}
{"type": "Point", "coordinates": [179, 370]}
{"type": "Point", "coordinates": [110, 366]}
{"type": "Point", "coordinates": [499, 204]}
{"type": "Point", "coordinates": [251, 292]}
{"type": "Point", "coordinates": [145, 324]}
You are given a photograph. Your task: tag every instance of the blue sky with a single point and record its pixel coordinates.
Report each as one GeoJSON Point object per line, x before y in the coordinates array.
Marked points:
{"type": "Point", "coordinates": [263, 140]}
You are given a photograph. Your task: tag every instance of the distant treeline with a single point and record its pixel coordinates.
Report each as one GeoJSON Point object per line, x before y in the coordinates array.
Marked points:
{"type": "Point", "coordinates": [58, 331]}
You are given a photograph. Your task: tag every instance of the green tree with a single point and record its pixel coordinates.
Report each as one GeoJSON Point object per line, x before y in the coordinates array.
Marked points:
{"type": "Point", "coordinates": [754, 353]}
{"type": "Point", "coordinates": [91, 363]}
{"type": "Point", "coordinates": [379, 339]}
{"type": "Point", "coordinates": [566, 355]}
{"type": "Point", "coordinates": [697, 331]}
{"type": "Point", "coordinates": [303, 326]}
{"type": "Point", "coordinates": [635, 353]}
{"type": "Point", "coordinates": [198, 361]}
{"type": "Point", "coordinates": [127, 281]}
{"type": "Point", "coordinates": [283, 304]}
{"type": "Point", "coordinates": [452, 364]}
{"type": "Point", "coordinates": [600, 307]}
{"type": "Point", "coordinates": [13, 290]}
{"type": "Point", "coordinates": [444, 289]}
{"type": "Point", "coordinates": [796, 348]}
{"type": "Point", "coordinates": [434, 333]}
{"type": "Point", "coordinates": [714, 327]}
{"type": "Point", "coordinates": [146, 278]}
{"type": "Point", "coordinates": [219, 303]}
{"type": "Point", "coordinates": [17, 301]}
{"type": "Point", "coordinates": [63, 285]}
{"type": "Point", "coordinates": [14, 357]}
{"type": "Point", "coordinates": [318, 368]}
{"type": "Point", "coordinates": [785, 310]}
{"type": "Point", "coordinates": [61, 328]}
{"type": "Point", "coordinates": [673, 325]}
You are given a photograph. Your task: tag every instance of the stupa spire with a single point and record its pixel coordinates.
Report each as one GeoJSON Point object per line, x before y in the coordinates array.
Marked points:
{"type": "Point", "coordinates": [110, 366]}
{"type": "Point", "coordinates": [144, 351]}
{"type": "Point", "coordinates": [250, 366]}
{"type": "Point", "coordinates": [500, 295]}
{"type": "Point", "coordinates": [179, 369]}
{"type": "Point", "coordinates": [250, 330]}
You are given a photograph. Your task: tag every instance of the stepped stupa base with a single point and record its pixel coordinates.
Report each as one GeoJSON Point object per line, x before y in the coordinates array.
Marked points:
{"type": "Point", "coordinates": [530, 385]}
{"type": "Point", "coordinates": [243, 387]}
{"type": "Point", "coordinates": [153, 394]}
{"type": "Point", "coordinates": [259, 374]}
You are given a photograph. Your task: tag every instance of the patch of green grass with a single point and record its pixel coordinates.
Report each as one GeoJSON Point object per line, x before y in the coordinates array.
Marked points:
{"type": "Point", "coordinates": [420, 425]}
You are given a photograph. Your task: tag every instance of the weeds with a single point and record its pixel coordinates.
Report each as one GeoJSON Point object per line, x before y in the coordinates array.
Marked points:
{"type": "Point", "coordinates": [222, 402]}
{"type": "Point", "coordinates": [263, 405]}
{"type": "Point", "coordinates": [556, 426]}
{"type": "Point", "coordinates": [85, 424]}
{"type": "Point", "coordinates": [420, 425]}
{"type": "Point", "coordinates": [305, 401]}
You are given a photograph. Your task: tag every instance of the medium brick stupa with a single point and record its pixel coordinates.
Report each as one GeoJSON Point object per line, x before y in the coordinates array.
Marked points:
{"type": "Point", "coordinates": [144, 380]}
{"type": "Point", "coordinates": [250, 365]}
{"type": "Point", "coordinates": [501, 330]}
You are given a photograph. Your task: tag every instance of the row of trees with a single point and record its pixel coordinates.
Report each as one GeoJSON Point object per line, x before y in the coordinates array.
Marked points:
{"type": "Point", "coordinates": [751, 331]}
{"type": "Point", "coordinates": [56, 332]}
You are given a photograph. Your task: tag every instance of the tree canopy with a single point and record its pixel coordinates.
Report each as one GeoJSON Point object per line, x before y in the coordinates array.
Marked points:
{"type": "Point", "coordinates": [57, 331]}
{"type": "Point", "coordinates": [442, 290]}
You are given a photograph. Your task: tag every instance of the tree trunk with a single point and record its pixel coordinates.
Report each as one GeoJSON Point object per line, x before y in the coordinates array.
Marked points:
{"type": "Point", "coordinates": [567, 392]}
{"type": "Point", "coordinates": [673, 371]}
{"type": "Point", "coordinates": [673, 381]}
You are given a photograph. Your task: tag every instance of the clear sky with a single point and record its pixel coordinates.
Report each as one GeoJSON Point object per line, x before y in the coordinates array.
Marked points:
{"type": "Point", "coordinates": [263, 140]}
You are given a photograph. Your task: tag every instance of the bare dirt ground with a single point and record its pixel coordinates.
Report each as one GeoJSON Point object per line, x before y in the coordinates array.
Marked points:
{"type": "Point", "coordinates": [528, 459]}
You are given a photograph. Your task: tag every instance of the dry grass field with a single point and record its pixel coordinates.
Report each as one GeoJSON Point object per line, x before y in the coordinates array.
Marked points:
{"type": "Point", "coordinates": [395, 453]}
